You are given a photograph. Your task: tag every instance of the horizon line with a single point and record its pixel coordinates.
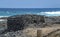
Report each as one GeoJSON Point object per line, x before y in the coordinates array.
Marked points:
{"type": "Point", "coordinates": [48, 8]}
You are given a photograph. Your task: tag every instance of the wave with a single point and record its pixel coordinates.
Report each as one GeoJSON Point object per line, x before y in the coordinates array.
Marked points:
{"type": "Point", "coordinates": [53, 13]}
{"type": "Point", "coordinates": [3, 16]}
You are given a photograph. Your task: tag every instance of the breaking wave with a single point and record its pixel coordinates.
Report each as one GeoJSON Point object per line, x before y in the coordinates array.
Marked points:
{"type": "Point", "coordinates": [3, 16]}
{"type": "Point", "coordinates": [53, 13]}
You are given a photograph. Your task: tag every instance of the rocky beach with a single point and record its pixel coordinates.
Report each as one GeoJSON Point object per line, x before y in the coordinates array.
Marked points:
{"type": "Point", "coordinates": [28, 25]}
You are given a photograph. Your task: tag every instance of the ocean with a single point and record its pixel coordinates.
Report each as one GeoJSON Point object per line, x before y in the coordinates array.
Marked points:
{"type": "Point", "coordinates": [20, 11]}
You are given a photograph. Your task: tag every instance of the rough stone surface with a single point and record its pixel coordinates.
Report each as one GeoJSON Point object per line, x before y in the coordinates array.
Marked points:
{"type": "Point", "coordinates": [20, 22]}
{"type": "Point", "coordinates": [26, 25]}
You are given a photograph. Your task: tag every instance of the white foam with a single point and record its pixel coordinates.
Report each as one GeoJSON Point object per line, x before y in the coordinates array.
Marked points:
{"type": "Point", "coordinates": [3, 16]}
{"type": "Point", "coordinates": [56, 13]}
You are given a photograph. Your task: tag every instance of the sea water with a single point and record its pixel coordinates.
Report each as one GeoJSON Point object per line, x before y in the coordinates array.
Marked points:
{"type": "Point", "coordinates": [4, 12]}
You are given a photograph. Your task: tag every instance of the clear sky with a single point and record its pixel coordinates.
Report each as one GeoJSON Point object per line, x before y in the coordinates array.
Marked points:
{"type": "Point", "coordinates": [29, 3]}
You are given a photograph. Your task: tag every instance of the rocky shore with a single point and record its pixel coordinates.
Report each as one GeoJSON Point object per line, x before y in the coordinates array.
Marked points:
{"type": "Point", "coordinates": [25, 25]}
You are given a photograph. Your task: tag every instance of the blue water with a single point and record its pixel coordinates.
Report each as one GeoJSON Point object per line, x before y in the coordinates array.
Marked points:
{"type": "Point", "coordinates": [16, 11]}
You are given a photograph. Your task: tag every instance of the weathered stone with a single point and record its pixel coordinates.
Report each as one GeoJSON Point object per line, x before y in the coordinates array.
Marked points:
{"type": "Point", "coordinates": [19, 22]}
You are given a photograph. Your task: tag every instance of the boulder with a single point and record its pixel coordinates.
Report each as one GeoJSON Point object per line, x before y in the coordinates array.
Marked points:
{"type": "Point", "coordinates": [19, 22]}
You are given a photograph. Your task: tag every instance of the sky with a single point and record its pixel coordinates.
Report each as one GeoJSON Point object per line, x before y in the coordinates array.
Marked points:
{"type": "Point", "coordinates": [29, 3]}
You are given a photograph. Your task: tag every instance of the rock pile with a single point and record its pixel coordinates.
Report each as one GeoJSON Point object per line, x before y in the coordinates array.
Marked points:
{"type": "Point", "coordinates": [20, 22]}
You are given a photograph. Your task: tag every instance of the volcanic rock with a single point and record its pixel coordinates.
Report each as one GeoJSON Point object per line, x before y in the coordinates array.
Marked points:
{"type": "Point", "coordinates": [20, 22]}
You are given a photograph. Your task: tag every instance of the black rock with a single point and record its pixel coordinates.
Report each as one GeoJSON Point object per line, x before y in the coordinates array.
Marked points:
{"type": "Point", "coordinates": [19, 22]}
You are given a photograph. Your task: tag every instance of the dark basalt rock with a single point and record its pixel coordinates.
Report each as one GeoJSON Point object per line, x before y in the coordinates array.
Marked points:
{"type": "Point", "coordinates": [52, 19]}
{"type": "Point", "coordinates": [19, 22]}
